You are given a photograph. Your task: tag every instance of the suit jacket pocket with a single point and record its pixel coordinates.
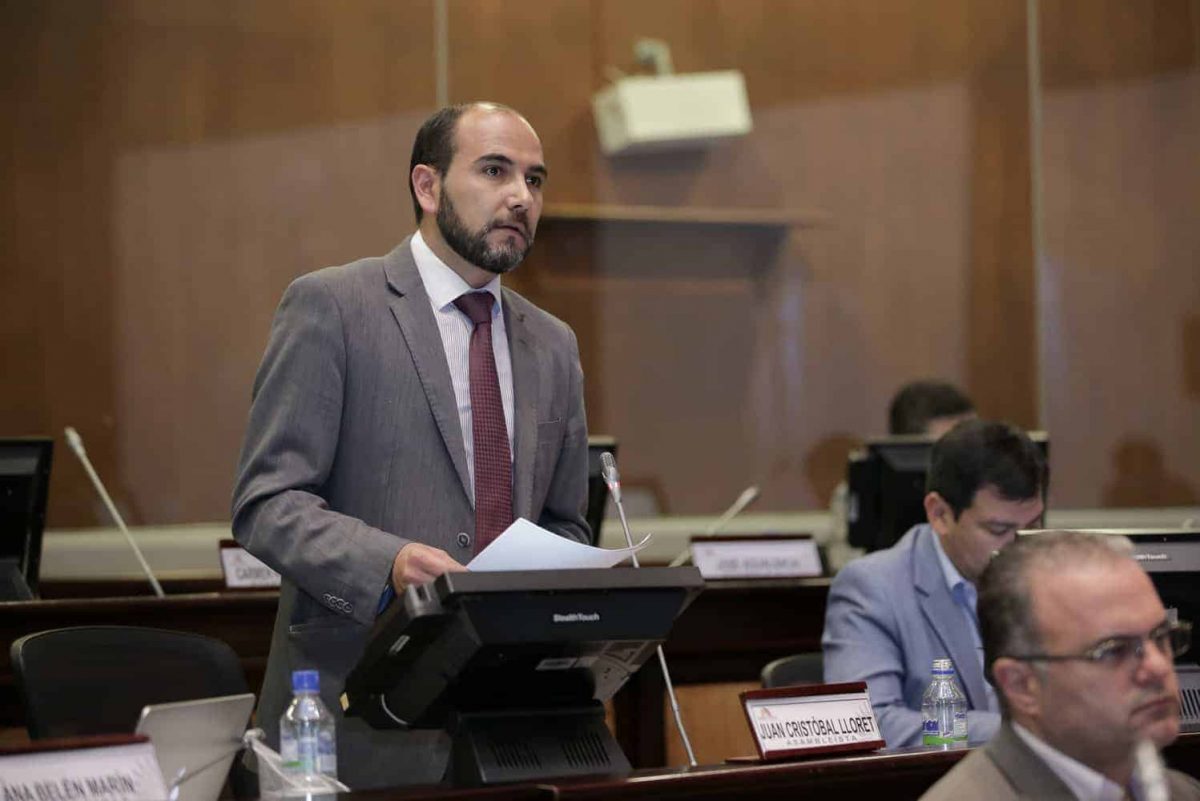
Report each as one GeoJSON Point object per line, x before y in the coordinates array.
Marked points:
{"type": "Point", "coordinates": [331, 645]}
{"type": "Point", "coordinates": [550, 433]}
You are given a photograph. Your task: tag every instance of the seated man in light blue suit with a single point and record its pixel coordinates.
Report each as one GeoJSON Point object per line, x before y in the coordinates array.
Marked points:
{"type": "Point", "coordinates": [893, 612]}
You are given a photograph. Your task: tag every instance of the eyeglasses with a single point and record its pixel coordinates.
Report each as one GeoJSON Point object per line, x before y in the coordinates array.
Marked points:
{"type": "Point", "coordinates": [1172, 637]}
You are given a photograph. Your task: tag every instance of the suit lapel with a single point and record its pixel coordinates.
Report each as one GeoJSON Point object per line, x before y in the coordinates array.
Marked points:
{"type": "Point", "coordinates": [1025, 771]}
{"type": "Point", "coordinates": [525, 407]}
{"type": "Point", "coordinates": [410, 306]}
{"type": "Point", "coordinates": [945, 618]}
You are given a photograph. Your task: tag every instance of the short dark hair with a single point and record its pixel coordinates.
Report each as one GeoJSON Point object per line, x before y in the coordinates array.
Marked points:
{"type": "Point", "coordinates": [977, 454]}
{"type": "Point", "coordinates": [434, 145]}
{"type": "Point", "coordinates": [919, 402]}
{"type": "Point", "coordinates": [1006, 621]}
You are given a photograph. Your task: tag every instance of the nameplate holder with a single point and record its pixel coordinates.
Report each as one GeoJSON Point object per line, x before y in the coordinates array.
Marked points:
{"type": "Point", "coordinates": [759, 556]}
{"type": "Point", "coordinates": [245, 571]}
{"type": "Point", "coordinates": [118, 768]}
{"type": "Point", "coordinates": [789, 722]}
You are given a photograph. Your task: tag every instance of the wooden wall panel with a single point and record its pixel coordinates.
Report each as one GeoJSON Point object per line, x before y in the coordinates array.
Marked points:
{"type": "Point", "coordinates": [715, 723]}
{"type": "Point", "coordinates": [170, 166]}
{"type": "Point", "coordinates": [1120, 275]}
{"type": "Point", "coordinates": [1001, 332]}
{"type": "Point", "coordinates": [1086, 42]}
{"type": "Point", "coordinates": [57, 363]}
{"type": "Point", "coordinates": [884, 117]}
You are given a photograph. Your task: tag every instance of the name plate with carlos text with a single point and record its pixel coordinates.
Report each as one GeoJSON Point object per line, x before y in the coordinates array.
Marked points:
{"type": "Point", "coordinates": [87, 769]}
{"type": "Point", "coordinates": [769, 556]}
{"type": "Point", "coordinates": [243, 570]}
{"type": "Point", "coordinates": [817, 719]}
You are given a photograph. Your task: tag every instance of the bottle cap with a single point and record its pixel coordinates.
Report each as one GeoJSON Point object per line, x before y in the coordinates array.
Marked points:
{"type": "Point", "coordinates": [306, 681]}
{"type": "Point", "coordinates": [943, 666]}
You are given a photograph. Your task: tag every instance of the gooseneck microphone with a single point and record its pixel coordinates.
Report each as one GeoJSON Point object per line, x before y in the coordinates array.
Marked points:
{"type": "Point", "coordinates": [608, 470]}
{"type": "Point", "coordinates": [76, 443]}
{"type": "Point", "coordinates": [749, 495]}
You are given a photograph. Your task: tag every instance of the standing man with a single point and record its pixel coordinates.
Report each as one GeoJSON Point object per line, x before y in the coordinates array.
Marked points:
{"type": "Point", "coordinates": [891, 613]}
{"type": "Point", "coordinates": [407, 409]}
{"type": "Point", "coordinates": [1081, 651]}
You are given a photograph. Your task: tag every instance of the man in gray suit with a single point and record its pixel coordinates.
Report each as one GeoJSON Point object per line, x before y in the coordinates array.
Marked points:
{"type": "Point", "coordinates": [368, 449]}
{"type": "Point", "coordinates": [1080, 649]}
{"type": "Point", "coordinates": [891, 613]}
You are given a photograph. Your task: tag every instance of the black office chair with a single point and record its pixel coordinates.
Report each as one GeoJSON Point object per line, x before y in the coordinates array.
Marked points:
{"type": "Point", "coordinates": [96, 679]}
{"type": "Point", "coordinates": [808, 668]}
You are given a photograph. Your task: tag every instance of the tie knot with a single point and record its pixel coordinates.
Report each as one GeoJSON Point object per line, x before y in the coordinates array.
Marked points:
{"type": "Point", "coordinates": [476, 305]}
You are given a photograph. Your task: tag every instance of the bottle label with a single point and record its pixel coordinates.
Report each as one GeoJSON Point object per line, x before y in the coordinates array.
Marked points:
{"type": "Point", "coordinates": [960, 724]}
{"type": "Point", "coordinates": [327, 753]}
{"type": "Point", "coordinates": [954, 731]}
{"type": "Point", "coordinates": [306, 754]}
{"type": "Point", "coordinates": [931, 734]}
{"type": "Point", "coordinates": [289, 752]}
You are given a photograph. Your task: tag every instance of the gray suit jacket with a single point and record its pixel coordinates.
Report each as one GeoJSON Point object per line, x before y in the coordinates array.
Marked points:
{"type": "Point", "coordinates": [888, 616]}
{"type": "Point", "coordinates": [1007, 770]}
{"type": "Point", "coordinates": [354, 449]}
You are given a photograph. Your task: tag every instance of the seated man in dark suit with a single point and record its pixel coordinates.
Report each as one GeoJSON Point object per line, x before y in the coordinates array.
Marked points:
{"type": "Point", "coordinates": [890, 614]}
{"type": "Point", "coordinates": [1080, 649]}
{"type": "Point", "coordinates": [928, 407]}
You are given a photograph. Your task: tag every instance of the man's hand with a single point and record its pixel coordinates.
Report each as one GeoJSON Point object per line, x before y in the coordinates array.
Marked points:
{"type": "Point", "coordinates": [418, 564]}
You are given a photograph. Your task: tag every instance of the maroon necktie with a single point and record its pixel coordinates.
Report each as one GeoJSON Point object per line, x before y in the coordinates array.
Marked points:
{"type": "Point", "coordinates": [493, 464]}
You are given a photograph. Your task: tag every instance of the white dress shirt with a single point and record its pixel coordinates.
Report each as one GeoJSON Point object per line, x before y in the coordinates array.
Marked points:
{"type": "Point", "coordinates": [966, 596]}
{"type": "Point", "coordinates": [444, 286]}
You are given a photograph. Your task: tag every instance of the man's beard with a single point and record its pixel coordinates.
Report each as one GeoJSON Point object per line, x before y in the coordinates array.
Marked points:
{"type": "Point", "coordinates": [473, 246]}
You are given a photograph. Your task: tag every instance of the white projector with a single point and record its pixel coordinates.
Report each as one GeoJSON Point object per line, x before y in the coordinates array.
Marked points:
{"type": "Point", "coordinates": [645, 114]}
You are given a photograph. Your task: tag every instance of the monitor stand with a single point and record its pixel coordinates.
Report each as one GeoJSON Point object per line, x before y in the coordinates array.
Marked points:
{"type": "Point", "coordinates": [513, 745]}
{"type": "Point", "coordinates": [12, 582]}
{"type": "Point", "coordinates": [1189, 695]}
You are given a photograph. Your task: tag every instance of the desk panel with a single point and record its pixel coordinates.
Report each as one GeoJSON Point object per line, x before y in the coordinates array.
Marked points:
{"type": "Point", "coordinates": [728, 633]}
{"type": "Point", "coordinates": [901, 775]}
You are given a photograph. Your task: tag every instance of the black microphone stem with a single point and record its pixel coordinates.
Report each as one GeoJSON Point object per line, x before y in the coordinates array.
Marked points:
{"type": "Point", "coordinates": [614, 487]}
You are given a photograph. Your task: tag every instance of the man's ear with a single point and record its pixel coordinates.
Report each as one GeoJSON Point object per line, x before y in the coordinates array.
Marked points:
{"type": "Point", "coordinates": [938, 513]}
{"type": "Point", "coordinates": [1020, 684]}
{"type": "Point", "coordinates": [427, 185]}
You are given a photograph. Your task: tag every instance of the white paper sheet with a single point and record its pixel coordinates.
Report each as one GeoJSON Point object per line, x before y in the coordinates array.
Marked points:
{"type": "Point", "coordinates": [528, 546]}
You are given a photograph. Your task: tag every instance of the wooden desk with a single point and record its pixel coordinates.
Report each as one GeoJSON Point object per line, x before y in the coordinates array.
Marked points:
{"type": "Point", "coordinates": [889, 775]}
{"type": "Point", "coordinates": [728, 633]}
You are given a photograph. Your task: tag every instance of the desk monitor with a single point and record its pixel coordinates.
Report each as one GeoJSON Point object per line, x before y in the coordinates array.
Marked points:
{"type": "Point", "coordinates": [1172, 558]}
{"type": "Point", "coordinates": [517, 665]}
{"type": "Point", "coordinates": [24, 485]}
{"type": "Point", "coordinates": [886, 481]}
{"type": "Point", "coordinates": [597, 500]}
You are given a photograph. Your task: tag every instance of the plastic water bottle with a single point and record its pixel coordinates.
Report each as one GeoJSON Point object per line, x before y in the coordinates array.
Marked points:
{"type": "Point", "coordinates": [944, 708]}
{"type": "Point", "coordinates": [307, 740]}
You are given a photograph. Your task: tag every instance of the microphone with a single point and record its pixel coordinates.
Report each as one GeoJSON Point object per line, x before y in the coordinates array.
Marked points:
{"type": "Point", "coordinates": [749, 495]}
{"type": "Point", "coordinates": [608, 471]}
{"type": "Point", "coordinates": [76, 443]}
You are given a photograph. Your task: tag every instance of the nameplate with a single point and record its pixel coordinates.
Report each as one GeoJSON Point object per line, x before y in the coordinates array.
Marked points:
{"type": "Point", "coordinates": [757, 557]}
{"type": "Point", "coordinates": [123, 771]}
{"type": "Point", "coordinates": [822, 718]}
{"type": "Point", "coordinates": [243, 570]}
